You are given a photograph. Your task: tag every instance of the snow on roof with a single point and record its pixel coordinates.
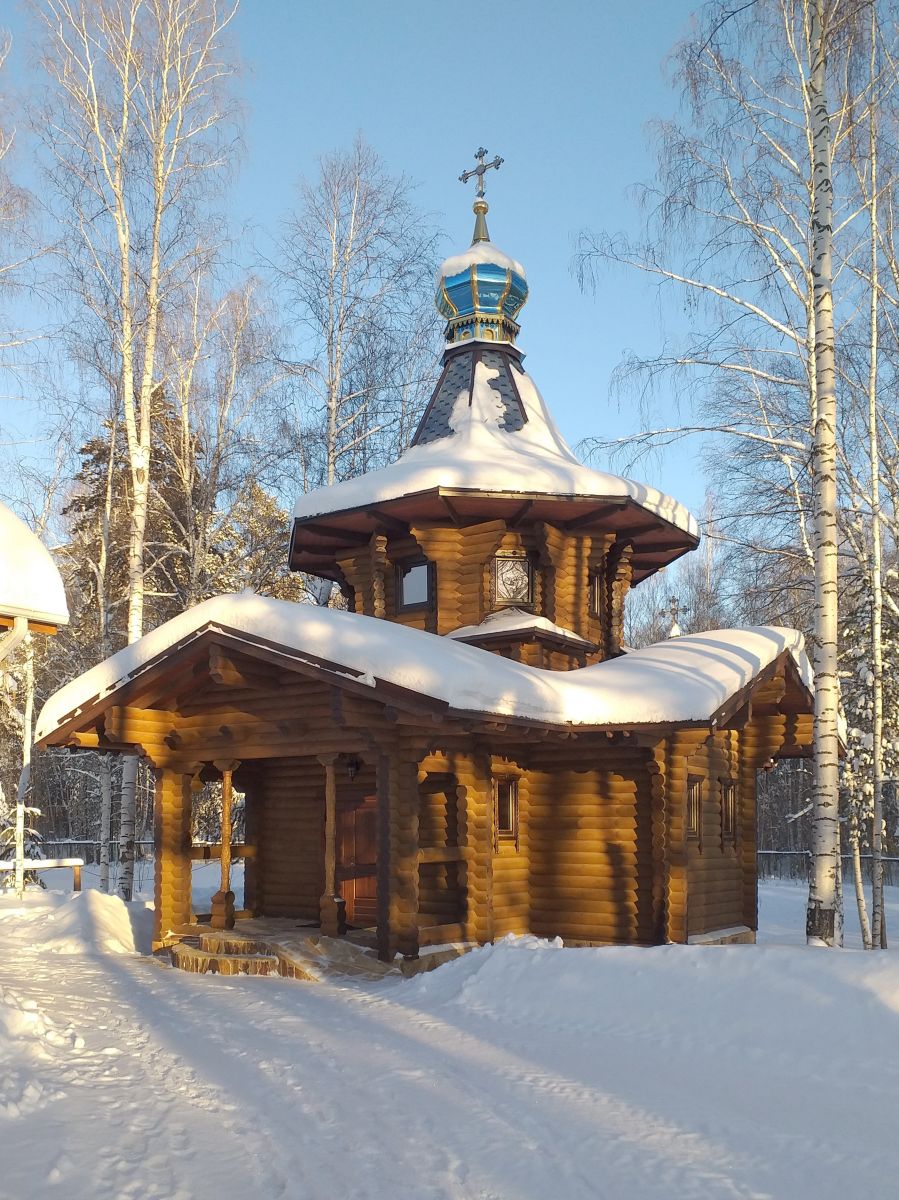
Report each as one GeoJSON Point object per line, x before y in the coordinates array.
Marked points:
{"type": "Point", "coordinates": [30, 583]}
{"type": "Point", "coordinates": [481, 456]}
{"type": "Point", "coordinates": [671, 682]}
{"type": "Point", "coordinates": [513, 620]}
{"type": "Point", "coordinates": [478, 252]}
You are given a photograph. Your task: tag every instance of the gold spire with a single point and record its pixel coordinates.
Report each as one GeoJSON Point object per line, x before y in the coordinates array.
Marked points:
{"type": "Point", "coordinates": [480, 204]}
{"type": "Point", "coordinates": [479, 208]}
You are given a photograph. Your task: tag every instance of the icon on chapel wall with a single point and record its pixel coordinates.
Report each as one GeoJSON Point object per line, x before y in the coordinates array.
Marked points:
{"type": "Point", "coordinates": [513, 581]}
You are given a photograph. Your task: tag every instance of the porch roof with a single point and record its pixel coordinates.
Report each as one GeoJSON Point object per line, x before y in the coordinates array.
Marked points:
{"type": "Point", "coordinates": [689, 680]}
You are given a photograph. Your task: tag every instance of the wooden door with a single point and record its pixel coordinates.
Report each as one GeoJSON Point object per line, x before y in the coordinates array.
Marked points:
{"type": "Point", "coordinates": [357, 864]}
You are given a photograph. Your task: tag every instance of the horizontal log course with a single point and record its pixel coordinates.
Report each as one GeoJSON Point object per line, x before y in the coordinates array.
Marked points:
{"type": "Point", "coordinates": [712, 875]}
{"type": "Point", "coordinates": [609, 858]}
{"type": "Point", "coordinates": [614, 932]}
{"type": "Point", "coordinates": [717, 917]}
{"type": "Point", "coordinates": [507, 876]}
{"type": "Point", "coordinates": [572, 916]}
{"type": "Point", "coordinates": [615, 801]}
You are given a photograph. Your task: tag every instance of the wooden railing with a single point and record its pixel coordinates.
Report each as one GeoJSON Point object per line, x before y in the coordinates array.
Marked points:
{"type": "Point", "coordinates": [207, 851]}
{"type": "Point", "coordinates": [49, 864]}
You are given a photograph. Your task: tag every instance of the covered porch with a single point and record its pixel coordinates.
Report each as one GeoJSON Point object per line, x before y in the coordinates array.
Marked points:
{"type": "Point", "coordinates": [348, 826]}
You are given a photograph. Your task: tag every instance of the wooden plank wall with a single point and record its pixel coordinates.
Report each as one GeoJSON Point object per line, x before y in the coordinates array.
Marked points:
{"type": "Point", "coordinates": [715, 863]}
{"type": "Point", "coordinates": [441, 898]}
{"type": "Point", "coordinates": [511, 862]}
{"type": "Point", "coordinates": [591, 851]}
{"type": "Point", "coordinates": [291, 838]}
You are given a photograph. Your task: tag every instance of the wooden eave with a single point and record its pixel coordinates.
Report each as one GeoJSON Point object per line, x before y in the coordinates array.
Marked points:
{"type": "Point", "coordinates": [7, 622]}
{"type": "Point", "coordinates": [528, 636]}
{"type": "Point", "coordinates": [316, 541]}
{"type": "Point", "coordinates": [257, 665]}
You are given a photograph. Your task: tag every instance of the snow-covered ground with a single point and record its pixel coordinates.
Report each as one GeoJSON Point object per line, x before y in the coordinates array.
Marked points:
{"type": "Point", "coordinates": [520, 1072]}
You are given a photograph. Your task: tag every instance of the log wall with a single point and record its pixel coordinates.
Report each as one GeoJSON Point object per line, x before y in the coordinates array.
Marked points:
{"type": "Point", "coordinates": [565, 563]}
{"type": "Point", "coordinates": [171, 831]}
{"type": "Point", "coordinates": [511, 860]}
{"type": "Point", "coordinates": [715, 862]}
{"type": "Point", "coordinates": [590, 850]}
{"type": "Point", "coordinates": [290, 830]}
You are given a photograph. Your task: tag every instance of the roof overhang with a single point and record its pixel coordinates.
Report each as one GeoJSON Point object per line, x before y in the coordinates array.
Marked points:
{"type": "Point", "coordinates": [317, 541]}
{"type": "Point", "coordinates": [160, 668]}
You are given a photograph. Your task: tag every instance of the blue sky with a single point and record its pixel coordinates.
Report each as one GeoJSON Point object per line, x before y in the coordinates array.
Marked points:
{"type": "Point", "coordinates": [562, 92]}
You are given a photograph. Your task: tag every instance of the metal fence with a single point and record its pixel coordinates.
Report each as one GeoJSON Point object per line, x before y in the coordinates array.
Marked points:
{"type": "Point", "coordinates": [796, 864]}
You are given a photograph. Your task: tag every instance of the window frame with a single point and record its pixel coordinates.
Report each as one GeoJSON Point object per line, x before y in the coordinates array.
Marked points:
{"type": "Point", "coordinates": [511, 834]}
{"type": "Point", "coordinates": [729, 807]}
{"type": "Point", "coordinates": [400, 569]}
{"type": "Point", "coordinates": [597, 583]}
{"type": "Point", "coordinates": [693, 808]}
{"type": "Point", "coordinates": [511, 556]}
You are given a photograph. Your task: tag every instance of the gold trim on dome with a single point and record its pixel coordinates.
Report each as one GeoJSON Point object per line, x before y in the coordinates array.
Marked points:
{"type": "Point", "coordinates": [473, 272]}
{"type": "Point", "coordinates": [506, 289]}
{"type": "Point", "coordinates": [445, 294]}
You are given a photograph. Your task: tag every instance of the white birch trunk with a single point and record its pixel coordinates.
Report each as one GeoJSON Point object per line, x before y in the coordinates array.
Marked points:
{"type": "Point", "coordinates": [821, 918]}
{"type": "Point", "coordinates": [859, 882]}
{"type": "Point", "coordinates": [877, 912]}
{"type": "Point", "coordinates": [105, 819]}
{"type": "Point", "coordinates": [25, 773]}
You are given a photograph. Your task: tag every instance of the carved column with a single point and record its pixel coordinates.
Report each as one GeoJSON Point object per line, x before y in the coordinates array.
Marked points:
{"type": "Point", "coordinates": [618, 580]}
{"type": "Point", "coordinates": [332, 907]}
{"type": "Point", "coordinates": [223, 900]}
{"type": "Point", "coordinates": [378, 548]}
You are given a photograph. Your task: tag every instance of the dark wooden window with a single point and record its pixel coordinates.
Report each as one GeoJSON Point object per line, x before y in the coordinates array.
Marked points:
{"type": "Point", "coordinates": [513, 580]}
{"type": "Point", "coordinates": [414, 585]}
{"type": "Point", "coordinates": [694, 806]}
{"type": "Point", "coordinates": [505, 808]}
{"type": "Point", "coordinates": [728, 811]}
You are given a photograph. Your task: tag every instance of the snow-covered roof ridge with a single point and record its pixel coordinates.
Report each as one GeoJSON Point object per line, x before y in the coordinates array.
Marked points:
{"type": "Point", "coordinates": [478, 252]}
{"type": "Point", "coordinates": [30, 583]}
{"type": "Point", "coordinates": [681, 681]}
{"type": "Point", "coordinates": [512, 620]}
{"type": "Point", "coordinates": [480, 455]}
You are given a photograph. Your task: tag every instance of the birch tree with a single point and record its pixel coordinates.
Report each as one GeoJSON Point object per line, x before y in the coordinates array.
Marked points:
{"type": "Point", "coordinates": [355, 262]}
{"type": "Point", "coordinates": [743, 222]}
{"type": "Point", "coordinates": [136, 125]}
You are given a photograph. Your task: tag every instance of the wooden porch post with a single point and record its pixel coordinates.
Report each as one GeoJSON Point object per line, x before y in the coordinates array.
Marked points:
{"type": "Point", "coordinates": [398, 849]}
{"type": "Point", "coordinates": [223, 900]}
{"type": "Point", "coordinates": [332, 907]}
{"type": "Point", "coordinates": [171, 820]}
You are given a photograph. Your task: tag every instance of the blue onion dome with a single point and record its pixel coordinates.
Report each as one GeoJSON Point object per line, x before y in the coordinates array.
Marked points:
{"type": "Point", "coordinates": [482, 291]}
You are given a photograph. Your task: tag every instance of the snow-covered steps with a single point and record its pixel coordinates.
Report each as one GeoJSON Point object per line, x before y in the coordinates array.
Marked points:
{"type": "Point", "coordinates": [272, 949]}
{"type": "Point", "coordinates": [202, 961]}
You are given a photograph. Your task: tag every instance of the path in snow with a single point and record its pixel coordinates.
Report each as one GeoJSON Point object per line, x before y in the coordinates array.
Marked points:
{"type": "Point", "coordinates": [522, 1072]}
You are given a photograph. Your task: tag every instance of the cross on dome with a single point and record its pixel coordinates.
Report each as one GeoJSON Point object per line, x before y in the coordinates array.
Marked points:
{"type": "Point", "coordinates": [481, 169]}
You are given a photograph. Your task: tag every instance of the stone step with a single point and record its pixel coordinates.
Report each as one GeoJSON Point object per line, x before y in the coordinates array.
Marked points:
{"type": "Point", "coordinates": [202, 962]}
{"type": "Point", "coordinates": [228, 943]}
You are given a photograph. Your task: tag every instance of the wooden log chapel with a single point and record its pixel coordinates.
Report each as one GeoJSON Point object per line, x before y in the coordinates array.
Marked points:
{"type": "Point", "coordinates": [469, 750]}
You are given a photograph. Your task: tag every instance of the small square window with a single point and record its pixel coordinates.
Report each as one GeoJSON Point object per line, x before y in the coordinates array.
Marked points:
{"type": "Point", "coordinates": [505, 807]}
{"type": "Point", "coordinates": [513, 580]}
{"type": "Point", "coordinates": [728, 811]}
{"type": "Point", "coordinates": [413, 585]}
{"type": "Point", "coordinates": [694, 806]}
